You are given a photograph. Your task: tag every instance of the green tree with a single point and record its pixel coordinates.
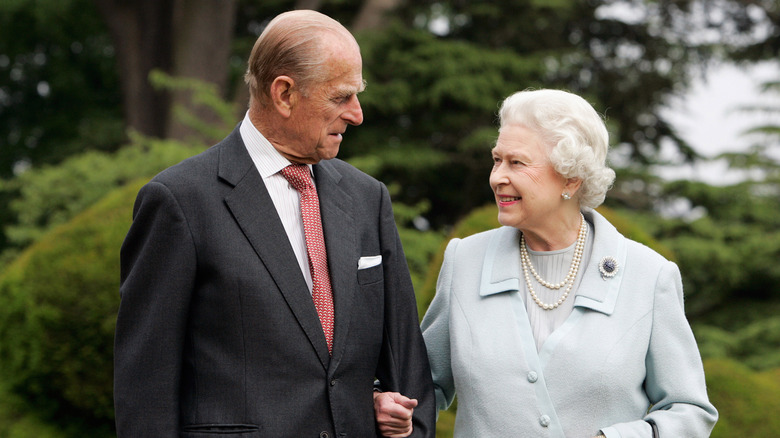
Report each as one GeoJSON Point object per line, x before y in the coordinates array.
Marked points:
{"type": "Point", "coordinates": [435, 81]}
{"type": "Point", "coordinates": [50, 195]}
{"type": "Point", "coordinates": [58, 88]}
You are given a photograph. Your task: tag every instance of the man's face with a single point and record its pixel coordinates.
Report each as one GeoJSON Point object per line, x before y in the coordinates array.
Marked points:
{"type": "Point", "coordinates": [318, 121]}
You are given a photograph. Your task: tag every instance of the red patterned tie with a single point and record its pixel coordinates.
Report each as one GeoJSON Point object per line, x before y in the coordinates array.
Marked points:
{"type": "Point", "coordinates": [298, 176]}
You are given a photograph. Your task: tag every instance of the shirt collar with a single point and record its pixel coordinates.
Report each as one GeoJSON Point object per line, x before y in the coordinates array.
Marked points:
{"type": "Point", "coordinates": [265, 156]}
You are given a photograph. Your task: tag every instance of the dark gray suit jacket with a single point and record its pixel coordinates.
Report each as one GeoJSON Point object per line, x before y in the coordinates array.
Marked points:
{"type": "Point", "coordinates": [217, 334]}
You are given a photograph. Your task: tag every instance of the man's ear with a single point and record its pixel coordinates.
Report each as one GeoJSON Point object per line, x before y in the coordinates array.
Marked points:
{"type": "Point", "coordinates": [282, 95]}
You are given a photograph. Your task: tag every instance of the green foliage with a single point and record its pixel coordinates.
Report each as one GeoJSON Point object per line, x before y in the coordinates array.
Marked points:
{"type": "Point", "coordinates": [419, 245]}
{"type": "Point", "coordinates": [747, 401]}
{"type": "Point", "coordinates": [419, 248]}
{"type": "Point", "coordinates": [756, 345]}
{"type": "Point", "coordinates": [203, 95]}
{"type": "Point", "coordinates": [430, 112]}
{"type": "Point", "coordinates": [58, 303]}
{"type": "Point", "coordinates": [59, 90]}
{"type": "Point", "coordinates": [730, 254]}
{"type": "Point", "coordinates": [445, 424]}
{"type": "Point", "coordinates": [623, 221]}
{"type": "Point", "coordinates": [52, 195]}
{"type": "Point", "coordinates": [18, 422]}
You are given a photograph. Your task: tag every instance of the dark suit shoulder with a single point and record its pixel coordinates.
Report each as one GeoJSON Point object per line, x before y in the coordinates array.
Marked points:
{"type": "Point", "coordinates": [204, 166]}
{"type": "Point", "coordinates": [350, 176]}
{"type": "Point", "coordinates": [188, 169]}
{"type": "Point", "coordinates": [349, 170]}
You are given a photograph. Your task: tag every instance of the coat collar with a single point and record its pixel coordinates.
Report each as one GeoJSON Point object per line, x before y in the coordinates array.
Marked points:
{"type": "Point", "coordinates": [502, 272]}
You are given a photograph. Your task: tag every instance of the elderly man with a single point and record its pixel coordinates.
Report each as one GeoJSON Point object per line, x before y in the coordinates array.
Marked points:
{"type": "Point", "coordinates": [263, 285]}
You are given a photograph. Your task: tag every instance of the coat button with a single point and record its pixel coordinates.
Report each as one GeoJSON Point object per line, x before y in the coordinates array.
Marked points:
{"type": "Point", "coordinates": [324, 434]}
{"type": "Point", "coordinates": [544, 420]}
{"type": "Point", "coordinates": [333, 382]}
{"type": "Point", "coordinates": [532, 376]}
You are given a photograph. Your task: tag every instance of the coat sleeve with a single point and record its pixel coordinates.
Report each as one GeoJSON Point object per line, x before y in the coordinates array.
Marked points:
{"type": "Point", "coordinates": [403, 363]}
{"type": "Point", "coordinates": [157, 276]}
{"type": "Point", "coordinates": [675, 382]}
{"type": "Point", "coordinates": [436, 331]}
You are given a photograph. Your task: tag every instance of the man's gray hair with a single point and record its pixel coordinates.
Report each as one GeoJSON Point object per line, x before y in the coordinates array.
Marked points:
{"type": "Point", "coordinates": [292, 44]}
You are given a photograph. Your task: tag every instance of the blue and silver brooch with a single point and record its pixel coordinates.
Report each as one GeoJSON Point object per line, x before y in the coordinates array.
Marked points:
{"type": "Point", "coordinates": [608, 267]}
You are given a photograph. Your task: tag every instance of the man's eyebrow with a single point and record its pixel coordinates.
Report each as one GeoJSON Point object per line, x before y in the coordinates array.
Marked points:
{"type": "Point", "coordinates": [347, 90]}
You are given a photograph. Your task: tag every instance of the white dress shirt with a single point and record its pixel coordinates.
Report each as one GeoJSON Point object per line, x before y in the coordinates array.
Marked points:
{"type": "Point", "coordinates": [286, 199]}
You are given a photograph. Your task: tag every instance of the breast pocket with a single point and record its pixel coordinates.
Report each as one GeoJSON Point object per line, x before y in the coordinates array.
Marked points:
{"type": "Point", "coordinates": [370, 275]}
{"type": "Point", "coordinates": [220, 431]}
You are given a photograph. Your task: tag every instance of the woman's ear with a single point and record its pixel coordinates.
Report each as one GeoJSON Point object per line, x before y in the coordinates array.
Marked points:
{"type": "Point", "coordinates": [282, 95]}
{"type": "Point", "coordinates": [572, 185]}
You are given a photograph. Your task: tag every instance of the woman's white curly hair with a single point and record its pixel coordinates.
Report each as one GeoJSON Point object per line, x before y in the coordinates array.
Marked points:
{"type": "Point", "coordinates": [574, 133]}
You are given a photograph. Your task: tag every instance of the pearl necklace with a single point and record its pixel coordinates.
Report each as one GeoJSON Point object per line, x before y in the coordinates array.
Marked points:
{"type": "Point", "coordinates": [568, 281]}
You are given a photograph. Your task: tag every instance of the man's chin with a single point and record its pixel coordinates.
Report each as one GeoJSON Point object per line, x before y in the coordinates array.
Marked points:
{"type": "Point", "coordinates": [328, 153]}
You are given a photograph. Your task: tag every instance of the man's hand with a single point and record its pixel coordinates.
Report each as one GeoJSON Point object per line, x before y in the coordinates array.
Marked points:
{"type": "Point", "coordinates": [394, 414]}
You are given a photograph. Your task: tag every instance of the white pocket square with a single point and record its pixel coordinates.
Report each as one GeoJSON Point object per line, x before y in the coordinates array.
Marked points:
{"type": "Point", "coordinates": [369, 261]}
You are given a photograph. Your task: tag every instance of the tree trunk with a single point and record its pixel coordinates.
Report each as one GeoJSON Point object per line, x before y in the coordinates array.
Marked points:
{"type": "Point", "coordinates": [186, 38]}
{"type": "Point", "coordinates": [372, 14]}
{"type": "Point", "coordinates": [202, 33]}
{"type": "Point", "coordinates": [142, 42]}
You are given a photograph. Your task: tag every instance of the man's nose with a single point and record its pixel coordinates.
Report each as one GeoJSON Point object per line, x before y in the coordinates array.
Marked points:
{"type": "Point", "coordinates": [354, 113]}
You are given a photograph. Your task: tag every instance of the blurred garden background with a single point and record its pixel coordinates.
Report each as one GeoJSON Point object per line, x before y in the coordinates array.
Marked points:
{"type": "Point", "coordinates": [96, 96]}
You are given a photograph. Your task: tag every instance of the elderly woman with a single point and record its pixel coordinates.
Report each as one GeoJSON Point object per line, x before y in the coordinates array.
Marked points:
{"type": "Point", "coordinates": [556, 325]}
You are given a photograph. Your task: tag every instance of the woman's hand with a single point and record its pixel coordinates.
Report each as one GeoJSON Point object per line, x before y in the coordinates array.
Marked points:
{"type": "Point", "coordinates": [394, 414]}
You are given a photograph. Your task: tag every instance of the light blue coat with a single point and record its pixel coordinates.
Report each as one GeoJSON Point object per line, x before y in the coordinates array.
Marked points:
{"type": "Point", "coordinates": [626, 354]}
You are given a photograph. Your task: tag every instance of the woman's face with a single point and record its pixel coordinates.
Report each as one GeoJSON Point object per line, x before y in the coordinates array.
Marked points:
{"type": "Point", "coordinates": [527, 189]}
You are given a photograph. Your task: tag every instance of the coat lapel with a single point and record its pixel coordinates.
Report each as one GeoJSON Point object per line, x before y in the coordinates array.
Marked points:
{"type": "Point", "coordinates": [338, 224]}
{"type": "Point", "coordinates": [501, 266]}
{"type": "Point", "coordinates": [254, 211]}
{"type": "Point", "coordinates": [596, 292]}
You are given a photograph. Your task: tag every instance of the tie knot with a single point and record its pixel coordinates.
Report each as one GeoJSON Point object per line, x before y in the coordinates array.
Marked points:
{"type": "Point", "coordinates": [298, 176]}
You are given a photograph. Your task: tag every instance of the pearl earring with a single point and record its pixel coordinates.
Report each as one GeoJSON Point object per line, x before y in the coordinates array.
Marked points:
{"type": "Point", "coordinates": [566, 196]}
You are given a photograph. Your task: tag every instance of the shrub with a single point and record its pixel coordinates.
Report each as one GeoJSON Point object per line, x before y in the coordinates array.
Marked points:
{"type": "Point", "coordinates": [756, 345]}
{"type": "Point", "coordinates": [58, 304]}
{"type": "Point", "coordinates": [51, 195]}
{"type": "Point", "coordinates": [748, 402]}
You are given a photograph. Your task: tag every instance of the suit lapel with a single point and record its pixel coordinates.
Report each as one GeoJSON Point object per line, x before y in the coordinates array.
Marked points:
{"type": "Point", "coordinates": [254, 211]}
{"type": "Point", "coordinates": [338, 225]}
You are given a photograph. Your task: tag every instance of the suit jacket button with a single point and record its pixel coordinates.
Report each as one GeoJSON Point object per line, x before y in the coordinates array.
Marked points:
{"type": "Point", "coordinates": [324, 434]}
{"type": "Point", "coordinates": [333, 382]}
